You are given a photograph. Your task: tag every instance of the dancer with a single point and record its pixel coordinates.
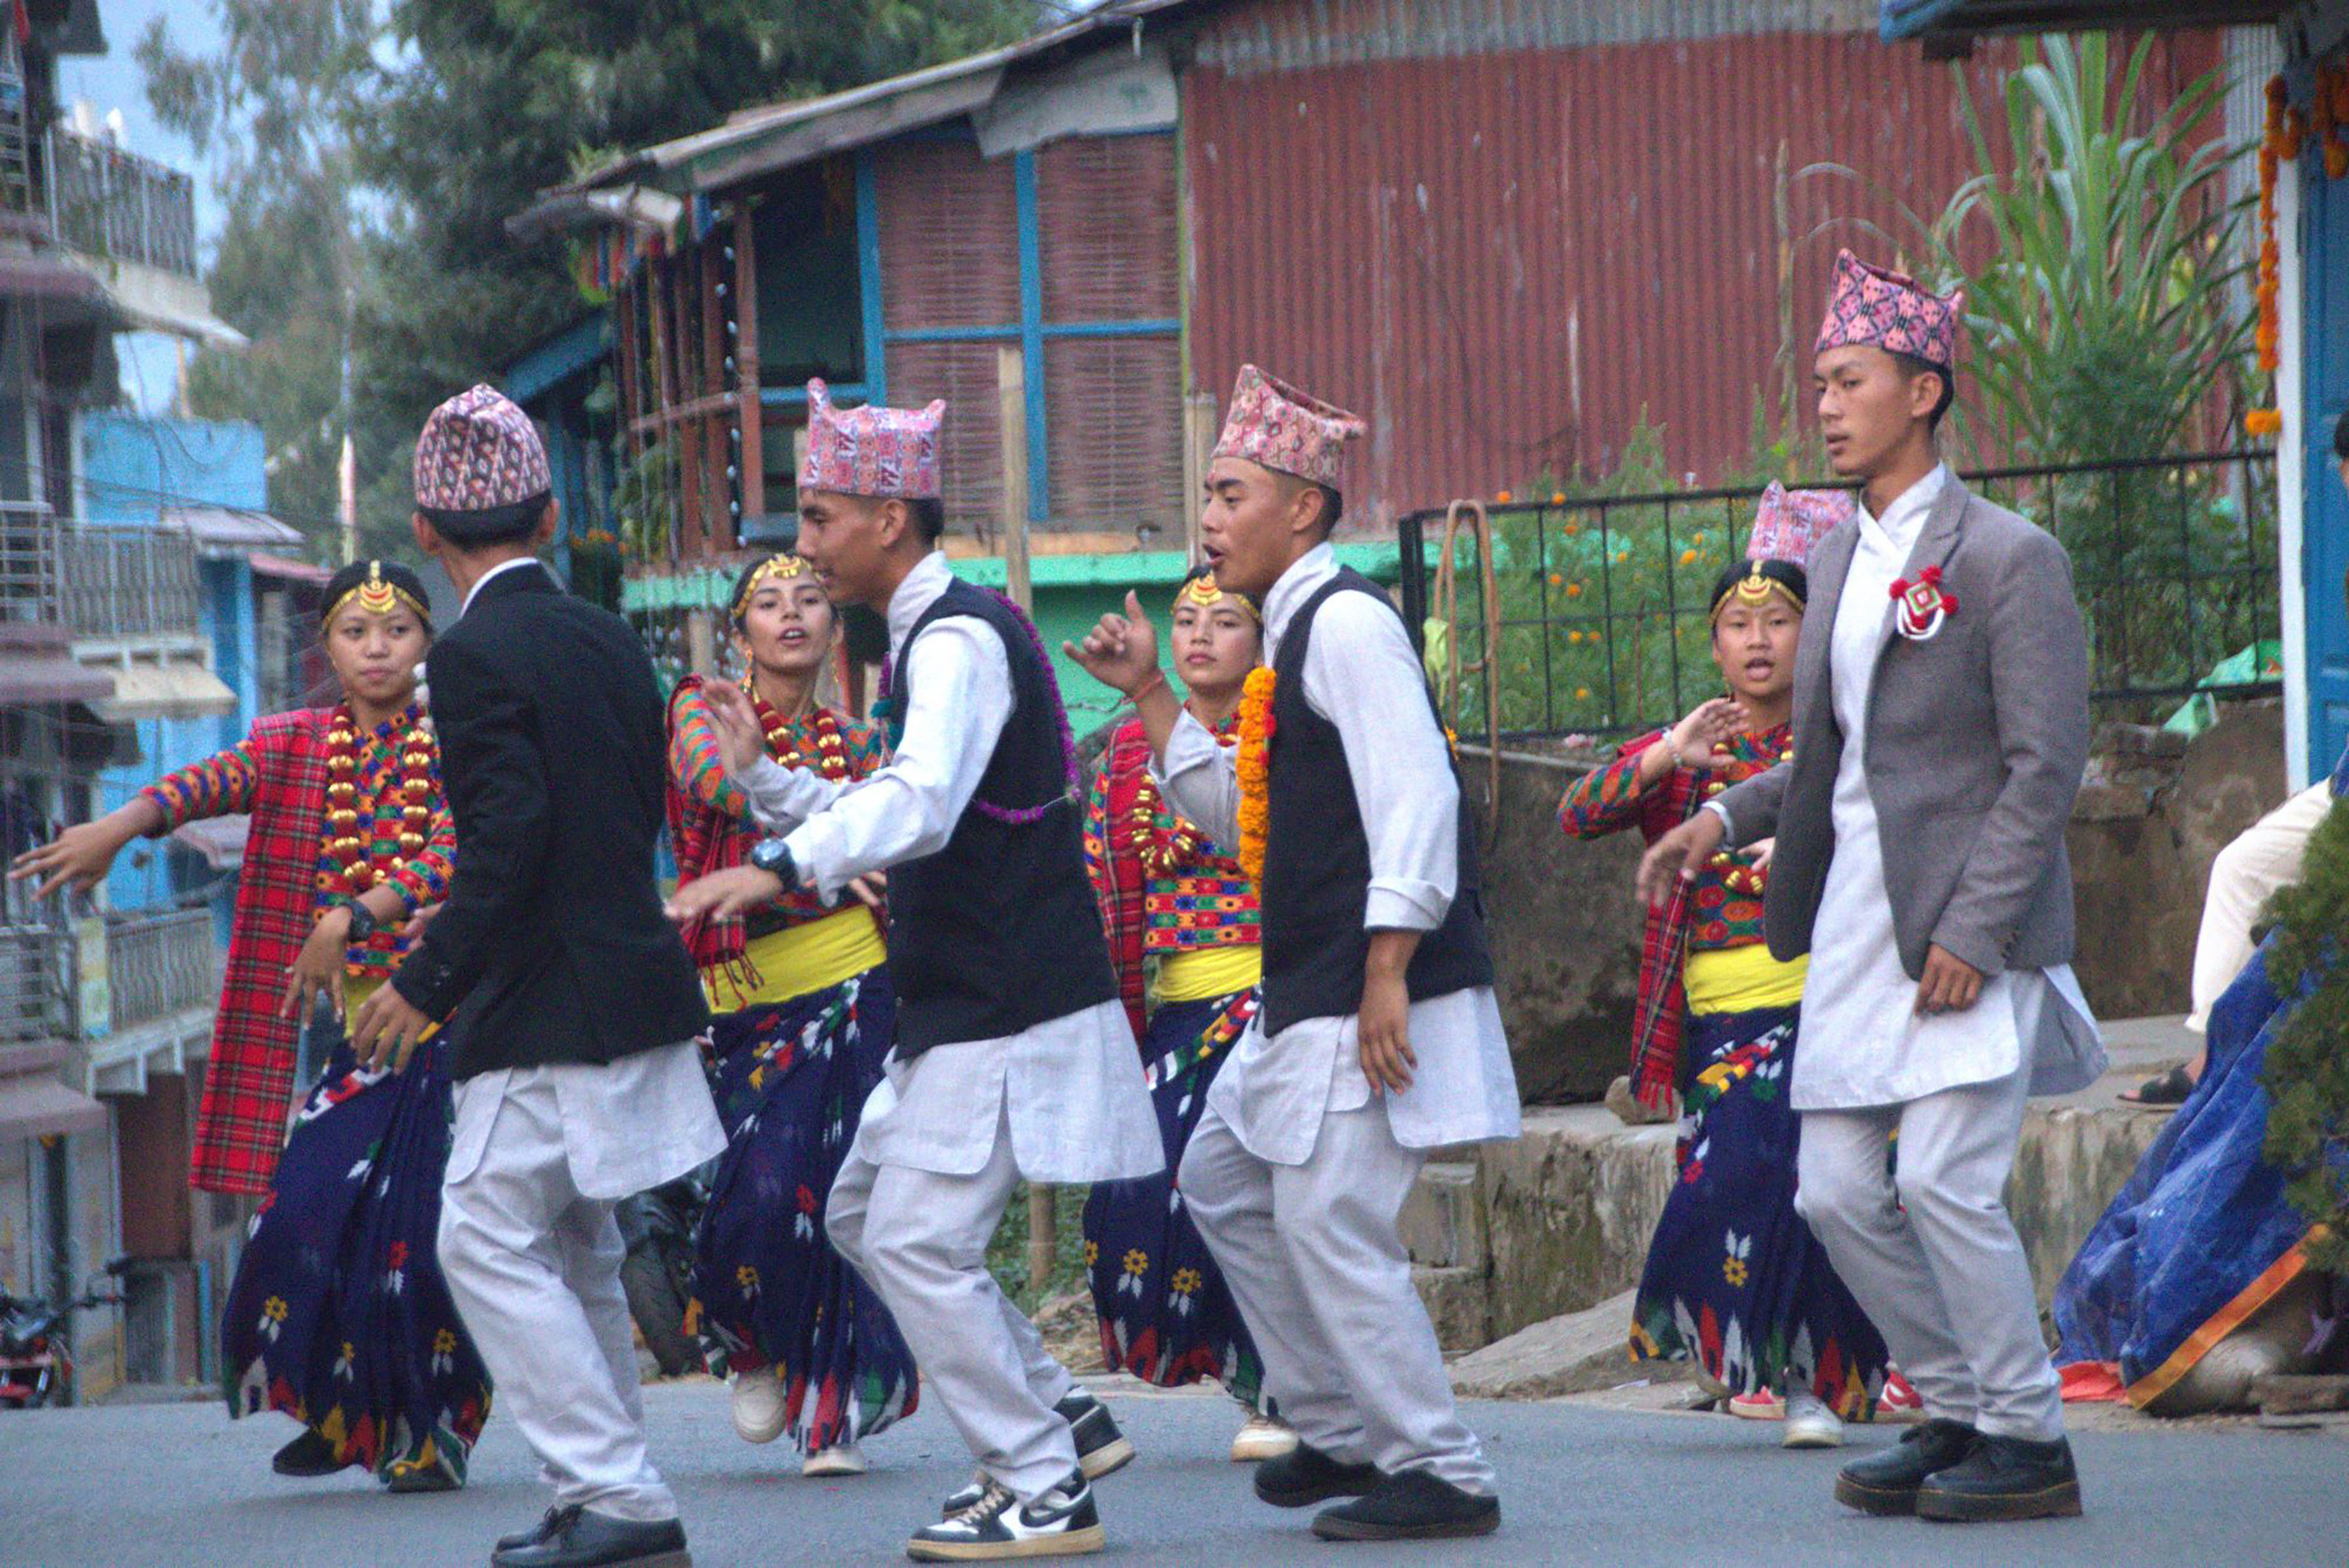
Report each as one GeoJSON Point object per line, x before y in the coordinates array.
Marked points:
{"type": "Point", "coordinates": [1014, 1060]}
{"type": "Point", "coordinates": [809, 1018]}
{"type": "Point", "coordinates": [1170, 895]}
{"type": "Point", "coordinates": [1379, 1038]}
{"type": "Point", "coordinates": [1734, 1281]}
{"type": "Point", "coordinates": [579, 1080]}
{"type": "Point", "coordinates": [1940, 732]}
{"type": "Point", "coordinates": [337, 1315]}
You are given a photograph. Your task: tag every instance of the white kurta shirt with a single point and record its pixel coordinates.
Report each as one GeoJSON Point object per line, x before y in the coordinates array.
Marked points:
{"type": "Point", "coordinates": [628, 1125]}
{"type": "Point", "coordinates": [1079, 1109]}
{"type": "Point", "coordinates": [1361, 675]}
{"type": "Point", "coordinates": [1864, 1043]}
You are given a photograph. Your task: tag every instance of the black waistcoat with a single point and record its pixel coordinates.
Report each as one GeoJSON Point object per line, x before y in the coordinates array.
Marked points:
{"type": "Point", "coordinates": [1317, 865]}
{"type": "Point", "coordinates": [998, 932]}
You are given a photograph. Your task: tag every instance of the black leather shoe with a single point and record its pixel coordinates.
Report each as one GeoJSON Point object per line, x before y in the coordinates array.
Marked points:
{"type": "Point", "coordinates": [557, 1518]}
{"type": "Point", "coordinates": [1886, 1481]}
{"type": "Point", "coordinates": [1410, 1505]}
{"type": "Point", "coordinates": [2006, 1477]}
{"type": "Point", "coordinates": [585, 1539]}
{"type": "Point", "coordinates": [309, 1457]}
{"type": "Point", "coordinates": [1102, 1448]}
{"type": "Point", "coordinates": [1305, 1476]}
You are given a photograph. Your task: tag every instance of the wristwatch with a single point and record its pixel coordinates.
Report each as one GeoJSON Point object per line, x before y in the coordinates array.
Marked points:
{"type": "Point", "coordinates": [773, 856]}
{"type": "Point", "coordinates": [363, 921]}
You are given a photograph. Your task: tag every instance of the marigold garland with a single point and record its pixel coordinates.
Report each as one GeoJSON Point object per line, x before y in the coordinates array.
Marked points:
{"type": "Point", "coordinates": [1253, 762]}
{"type": "Point", "coordinates": [2277, 144]}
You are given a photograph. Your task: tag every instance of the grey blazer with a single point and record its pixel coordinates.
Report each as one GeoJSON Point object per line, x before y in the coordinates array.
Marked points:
{"type": "Point", "coordinates": [1977, 740]}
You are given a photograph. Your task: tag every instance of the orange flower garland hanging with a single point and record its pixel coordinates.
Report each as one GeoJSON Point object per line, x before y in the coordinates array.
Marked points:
{"type": "Point", "coordinates": [2277, 144]}
{"type": "Point", "coordinates": [1253, 762]}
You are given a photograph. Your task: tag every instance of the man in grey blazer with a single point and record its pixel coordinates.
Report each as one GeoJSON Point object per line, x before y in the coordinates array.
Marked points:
{"type": "Point", "coordinates": [1940, 732]}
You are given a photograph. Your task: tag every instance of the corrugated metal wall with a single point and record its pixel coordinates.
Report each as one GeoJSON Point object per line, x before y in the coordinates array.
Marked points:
{"type": "Point", "coordinates": [1502, 255]}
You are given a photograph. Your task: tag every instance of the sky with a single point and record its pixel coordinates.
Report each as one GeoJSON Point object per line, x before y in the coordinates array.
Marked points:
{"type": "Point", "coordinates": [113, 81]}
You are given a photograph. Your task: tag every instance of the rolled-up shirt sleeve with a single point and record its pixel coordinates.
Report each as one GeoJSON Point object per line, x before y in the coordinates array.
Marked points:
{"type": "Point", "coordinates": [1198, 777]}
{"type": "Point", "coordinates": [961, 681]}
{"type": "Point", "coordinates": [1361, 675]}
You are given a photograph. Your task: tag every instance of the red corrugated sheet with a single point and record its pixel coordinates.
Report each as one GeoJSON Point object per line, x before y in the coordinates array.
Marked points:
{"type": "Point", "coordinates": [1502, 259]}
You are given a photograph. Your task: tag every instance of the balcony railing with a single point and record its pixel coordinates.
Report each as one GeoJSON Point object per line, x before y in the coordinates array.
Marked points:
{"type": "Point", "coordinates": [107, 203]}
{"type": "Point", "coordinates": [96, 582]}
{"type": "Point", "coordinates": [158, 966]}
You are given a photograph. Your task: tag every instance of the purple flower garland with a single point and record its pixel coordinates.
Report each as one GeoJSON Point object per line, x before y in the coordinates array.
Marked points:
{"type": "Point", "coordinates": [885, 709]}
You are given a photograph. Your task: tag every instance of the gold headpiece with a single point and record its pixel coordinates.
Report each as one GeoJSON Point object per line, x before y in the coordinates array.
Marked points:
{"type": "Point", "coordinates": [1203, 591]}
{"type": "Point", "coordinates": [1754, 590]}
{"type": "Point", "coordinates": [379, 596]}
{"type": "Point", "coordinates": [777, 569]}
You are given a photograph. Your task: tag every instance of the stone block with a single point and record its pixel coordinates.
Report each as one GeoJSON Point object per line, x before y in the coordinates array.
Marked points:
{"type": "Point", "coordinates": [1573, 1354]}
{"type": "Point", "coordinates": [2072, 1158]}
{"type": "Point", "coordinates": [1442, 1221]}
{"type": "Point", "coordinates": [1571, 1206]}
{"type": "Point", "coordinates": [1458, 1305]}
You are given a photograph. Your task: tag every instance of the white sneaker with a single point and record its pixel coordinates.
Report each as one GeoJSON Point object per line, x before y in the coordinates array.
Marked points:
{"type": "Point", "coordinates": [1810, 1424]}
{"type": "Point", "coordinates": [840, 1459]}
{"type": "Point", "coordinates": [1061, 1523]}
{"type": "Point", "coordinates": [1263, 1439]}
{"type": "Point", "coordinates": [758, 1414]}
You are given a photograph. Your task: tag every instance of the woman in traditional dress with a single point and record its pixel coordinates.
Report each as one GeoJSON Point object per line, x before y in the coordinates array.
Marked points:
{"type": "Point", "coordinates": [806, 1017]}
{"type": "Point", "coordinates": [1176, 904]}
{"type": "Point", "coordinates": [1735, 1280]}
{"type": "Point", "coordinates": [337, 1315]}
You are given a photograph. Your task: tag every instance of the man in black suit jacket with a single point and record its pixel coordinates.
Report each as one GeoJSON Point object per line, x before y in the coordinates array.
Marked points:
{"type": "Point", "coordinates": [574, 1005]}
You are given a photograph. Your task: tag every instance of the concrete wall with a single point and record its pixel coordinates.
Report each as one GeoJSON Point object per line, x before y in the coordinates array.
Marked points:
{"type": "Point", "coordinates": [1565, 923]}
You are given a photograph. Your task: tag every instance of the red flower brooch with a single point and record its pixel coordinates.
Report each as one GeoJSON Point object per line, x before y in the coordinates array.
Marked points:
{"type": "Point", "coordinates": [1920, 608]}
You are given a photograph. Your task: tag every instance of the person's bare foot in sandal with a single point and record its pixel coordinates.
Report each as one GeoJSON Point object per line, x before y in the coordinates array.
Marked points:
{"type": "Point", "coordinates": [2168, 1090]}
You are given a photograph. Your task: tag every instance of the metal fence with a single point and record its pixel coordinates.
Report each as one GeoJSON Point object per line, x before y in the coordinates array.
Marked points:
{"type": "Point", "coordinates": [1600, 601]}
{"type": "Point", "coordinates": [106, 202]}
{"type": "Point", "coordinates": [34, 976]}
{"type": "Point", "coordinates": [96, 582]}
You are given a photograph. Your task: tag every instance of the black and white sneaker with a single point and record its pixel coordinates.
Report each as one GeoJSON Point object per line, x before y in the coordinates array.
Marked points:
{"type": "Point", "coordinates": [1062, 1523]}
{"type": "Point", "coordinates": [1102, 1448]}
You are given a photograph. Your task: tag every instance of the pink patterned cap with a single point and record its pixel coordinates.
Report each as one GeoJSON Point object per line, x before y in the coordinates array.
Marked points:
{"type": "Point", "coordinates": [871, 451]}
{"type": "Point", "coordinates": [479, 451]}
{"type": "Point", "coordinates": [1273, 423]}
{"type": "Point", "coordinates": [1877, 305]}
{"type": "Point", "coordinates": [1789, 523]}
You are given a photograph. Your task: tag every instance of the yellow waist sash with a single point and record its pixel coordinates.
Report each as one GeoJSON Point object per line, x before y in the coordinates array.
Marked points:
{"type": "Point", "coordinates": [1742, 979]}
{"type": "Point", "coordinates": [357, 990]}
{"type": "Point", "coordinates": [801, 959]}
{"type": "Point", "coordinates": [1201, 974]}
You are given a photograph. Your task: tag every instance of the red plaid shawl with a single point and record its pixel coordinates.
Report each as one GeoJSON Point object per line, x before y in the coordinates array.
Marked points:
{"type": "Point", "coordinates": [249, 1083]}
{"type": "Point", "coordinates": [1604, 801]}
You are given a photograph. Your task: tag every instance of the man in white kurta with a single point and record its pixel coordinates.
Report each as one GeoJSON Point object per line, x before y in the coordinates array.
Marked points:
{"type": "Point", "coordinates": [992, 926]}
{"type": "Point", "coordinates": [1313, 1133]}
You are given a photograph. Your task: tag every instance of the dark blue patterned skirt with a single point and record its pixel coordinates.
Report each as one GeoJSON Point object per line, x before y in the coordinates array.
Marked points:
{"type": "Point", "coordinates": [1735, 1280]}
{"type": "Point", "coordinates": [1166, 1315]}
{"type": "Point", "coordinates": [338, 1315]}
{"type": "Point", "coordinates": [790, 1080]}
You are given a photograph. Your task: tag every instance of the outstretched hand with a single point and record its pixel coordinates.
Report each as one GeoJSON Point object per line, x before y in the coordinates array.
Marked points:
{"type": "Point", "coordinates": [741, 739]}
{"type": "Point", "coordinates": [1122, 650]}
{"type": "Point", "coordinates": [78, 858]}
{"type": "Point", "coordinates": [1679, 855]}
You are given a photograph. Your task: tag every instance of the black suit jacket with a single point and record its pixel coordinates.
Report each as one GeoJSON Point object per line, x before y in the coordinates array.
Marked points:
{"type": "Point", "coordinates": [553, 749]}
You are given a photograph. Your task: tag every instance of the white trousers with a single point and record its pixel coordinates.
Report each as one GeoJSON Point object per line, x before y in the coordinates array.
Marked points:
{"type": "Point", "coordinates": [535, 1267]}
{"type": "Point", "coordinates": [2262, 858]}
{"type": "Point", "coordinates": [1931, 1253]}
{"type": "Point", "coordinates": [920, 1239]}
{"type": "Point", "coordinates": [1313, 1258]}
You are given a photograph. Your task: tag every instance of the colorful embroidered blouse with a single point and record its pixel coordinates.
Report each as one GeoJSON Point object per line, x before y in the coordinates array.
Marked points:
{"type": "Point", "coordinates": [1164, 887]}
{"type": "Point", "coordinates": [710, 825]}
{"type": "Point", "coordinates": [1722, 911]}
{"type": "Point", "coordinates": [225, 785]}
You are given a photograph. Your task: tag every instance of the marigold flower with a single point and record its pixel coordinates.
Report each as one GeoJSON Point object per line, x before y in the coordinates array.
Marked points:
{"type": "Point", "coordinates": [1574, 590]}
{"type": "Point", "coordinates": [1687, 558]}
{"type": "Point", "coordinates": [1503, 498]}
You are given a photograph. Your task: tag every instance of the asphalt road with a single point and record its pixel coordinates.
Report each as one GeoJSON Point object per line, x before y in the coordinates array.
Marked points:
{"type": "Point", "coordinates": [124, 1487]}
